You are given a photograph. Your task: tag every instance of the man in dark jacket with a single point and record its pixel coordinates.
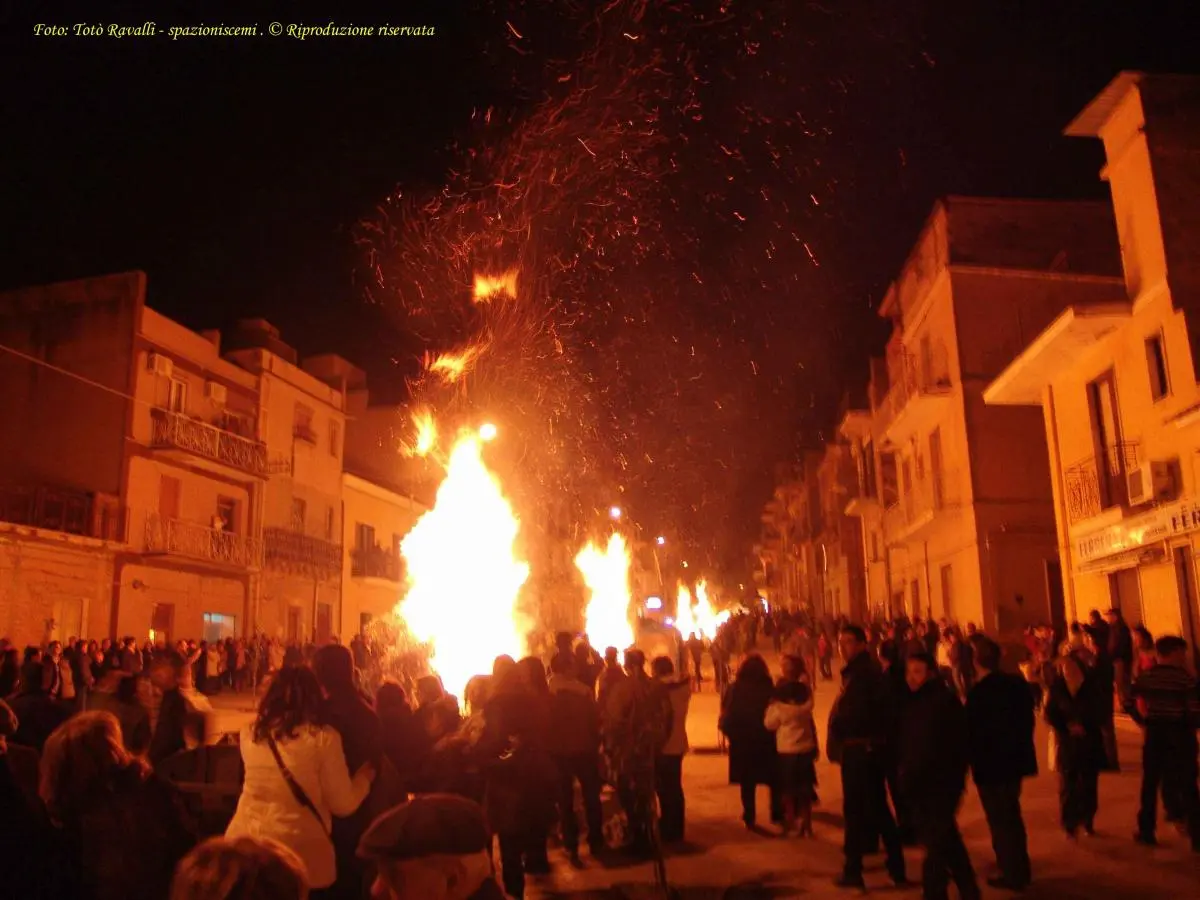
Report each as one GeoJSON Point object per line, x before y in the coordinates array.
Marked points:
{"type": "Point", "coordinates": [1120, 651]}
{"type": "Point", "coordinates": [933, 776]}
{"type": "Point", "coordinates": [36, 711]}
{"type": "Point", "coordinates": [859, 725]}
{"type": "Point", "coordinates": [348, 712]}
{"type": "Point", "coordinates": [1168, 708]}
{"type": "Point", "coordinates": [1000, 724]}
{"type": "Point", "coordinates": [574, 742]}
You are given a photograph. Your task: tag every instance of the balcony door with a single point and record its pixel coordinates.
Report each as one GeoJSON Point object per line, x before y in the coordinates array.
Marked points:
{"type": "Point", "coordinates": [935, 467]}
{"type": "Point", "coordinates": [1106, 439]}
{"type": "Point", "coordinates": [169, 490]}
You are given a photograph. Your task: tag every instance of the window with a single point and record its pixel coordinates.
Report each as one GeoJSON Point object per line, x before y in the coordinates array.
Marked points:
{"type": "Point", "coordinates": [177, 391]}
{"type": "Point", "coordinates": [169, 491]}
{"type": "Point", "coordinates": [302, 424]}
{"type": "Point", "coordinates": [868, 462]}
{"type": "Point", "coordinates": [218, 627]}
{"type": "Point", "coordinates": [330, 523]}
{"type": "Point", "coordinates": [948, 592]}
{"type": "Point", "coordinates": [335, 439]}
{"type": "Point", "coordinates": [906, 477]}
{"type": "Point", "coordinates": [299, 514]}
{"type": "Point", "coordinates": [1156, 362]}
{"type": "Point", "coordinates": [889, 493]}
{"type": "Point", "coordinates": [364, 536]}
{"type": "Point", "coordinates": [874, 546]}
{"type": "Point", "coordinates": [227, 513]}
{"type": "Point", "coordinates": [915, 589]}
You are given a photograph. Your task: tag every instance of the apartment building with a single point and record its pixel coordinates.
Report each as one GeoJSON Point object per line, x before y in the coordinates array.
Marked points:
{"type": "Point", "coordinates": [302, 422]}
{"type": "Point", "coordinates": [384, 493]}
{"type": "Point", "coordinates": [1115, 375]}
{"type": "Point", "coordinates": [840, 540]}
{"type": "Point", "coordinates": [162, 484]}
{"type": "Point", "coordinates": [862, 501]}
{"type": "Point", "coordinates": [66, 358]}
{"type": "Point", "coordinates": [970, 529]}
{"type": "Point", "coordinates": [790, 573]}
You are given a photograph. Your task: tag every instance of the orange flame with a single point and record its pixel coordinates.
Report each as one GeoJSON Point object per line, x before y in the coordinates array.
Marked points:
{"type": "Point", "coordinates": [707, 619]}
{"type": "Point", "coordinates": [452, 366]}
{"type": "Point", "coordinates": [463, 576]}
{"type": "Point", "coordinates": [685, 621]}
{"type": "Point", "coordinates": [606, 574]}
{"type": "Point", "coordinates": [489, 286]}
{"type": "Point", "coordinates": [426, 433]}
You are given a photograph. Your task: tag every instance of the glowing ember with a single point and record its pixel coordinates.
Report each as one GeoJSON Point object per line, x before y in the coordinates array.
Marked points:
{"type": "Point", "coordinates": [489, 286]}
{"type": "Point", "coordinates": [606, 574]}
{"type": "Point", "coordinates": [426, 433]}
{"type": "Point", "coordinates": [707, 620]}
{"type": "Point", "coordinates": [452, 366]}
{"type": "Point", "coordinates": [685, 620]}
{"type": "Point", "coordinates": [463, 576]}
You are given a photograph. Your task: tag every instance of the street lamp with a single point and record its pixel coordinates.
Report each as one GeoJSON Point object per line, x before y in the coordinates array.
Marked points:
{"type": "Point", "coordinates": [660, 540]}
{"type": "Point", "coordinates": [487, 432]}
{"type": "Point", "coordinates": [685, 563]}
{"type": "Point", "coordinates": [615, 512]}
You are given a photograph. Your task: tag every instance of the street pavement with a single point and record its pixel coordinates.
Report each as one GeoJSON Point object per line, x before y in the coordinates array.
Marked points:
{"type": "Point", "coordinates": [721, 859]}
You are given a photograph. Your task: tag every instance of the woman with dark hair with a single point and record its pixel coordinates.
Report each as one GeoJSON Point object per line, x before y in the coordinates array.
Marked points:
{"type": "Point", "coordinates": [123, 830]}
{"type": "Point", "coordinates": [242, 869]}
{"type": "Point", "coordinates": [753, 759]}
{"type": "Point", "coordinates": [1074, 710]}
{"type": "Point", "coordinates": [296, 775]}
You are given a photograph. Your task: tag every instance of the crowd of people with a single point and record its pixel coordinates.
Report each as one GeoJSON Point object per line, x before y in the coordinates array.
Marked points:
{"type": "Point", "coordinates": [336, 750]}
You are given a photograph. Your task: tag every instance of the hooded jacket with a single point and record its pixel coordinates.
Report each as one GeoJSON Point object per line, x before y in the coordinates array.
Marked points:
{"type": "Point", "coordinates": [792, 722]}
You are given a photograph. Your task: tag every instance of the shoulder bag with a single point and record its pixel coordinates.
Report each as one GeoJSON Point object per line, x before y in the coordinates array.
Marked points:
{"type": "Point", "coordinates": [294, 786]}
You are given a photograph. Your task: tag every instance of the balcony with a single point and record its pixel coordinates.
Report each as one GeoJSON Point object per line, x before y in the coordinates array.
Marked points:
{"type": "Point", "coordinates": [916, 510]}
{"type": "Point", "coordinates": [918, 398]}
{"type": "Point", "coordinates": [98, 516]}
{"type": "Point", "coordinates": [1098, 482]}
{"type": "Point", "coordinates": [375, 562]}
{"type": "Point", "coordinates": [192, 540]}
{"type": "Point", "coordinates": [295, 551]}
{"type": "Point", "coordinates": [175, 431]}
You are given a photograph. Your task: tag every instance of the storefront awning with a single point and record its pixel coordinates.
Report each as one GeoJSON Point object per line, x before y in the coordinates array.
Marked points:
{"type": "Point", "coordinates": [1130, 559]}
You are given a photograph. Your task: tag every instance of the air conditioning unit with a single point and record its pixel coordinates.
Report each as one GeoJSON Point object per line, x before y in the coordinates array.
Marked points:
{"type": "Point", "coordinates": [215, 392]}
{"type": "Point", "coordinates": [1150, 482]}
{"type": "Point", "coordinates": [160, 365]}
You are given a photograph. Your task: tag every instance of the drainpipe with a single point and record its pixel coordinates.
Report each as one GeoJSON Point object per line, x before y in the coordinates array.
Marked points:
{"type": "Point", "coordinates": [1059, 493]}
{"type": "Point", "coordinates": [928, 585]}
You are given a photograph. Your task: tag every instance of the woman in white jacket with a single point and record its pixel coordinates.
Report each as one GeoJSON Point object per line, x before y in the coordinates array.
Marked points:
{"type": "Point", "coordinates": [790, 716]}
{"type": "Point", "coordinates": [296, 776]}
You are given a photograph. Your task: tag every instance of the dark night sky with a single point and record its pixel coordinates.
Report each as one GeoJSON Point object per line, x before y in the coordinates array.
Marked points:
{"type": "Point", "coordinates": [234, 171]}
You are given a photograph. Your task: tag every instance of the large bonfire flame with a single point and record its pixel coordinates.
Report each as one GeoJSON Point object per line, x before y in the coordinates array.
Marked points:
{"type": "Point", "coordinates": [606, 574]}
{"type": "Point", "coordinates": [463, 575]}
{"type": "Point", "coordinates": [695, 615]}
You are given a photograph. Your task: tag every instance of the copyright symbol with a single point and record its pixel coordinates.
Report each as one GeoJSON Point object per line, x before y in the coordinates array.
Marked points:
{"type": "Point", "coordinates": [276, 29]}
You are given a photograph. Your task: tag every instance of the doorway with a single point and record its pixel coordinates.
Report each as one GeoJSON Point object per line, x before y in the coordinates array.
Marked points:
{"type": "Point", "coordinates": [324, 623]}
{"type": "Point", "coordinates": [1185, 577]}
{"type": "Point", "coordinates": [1125, 592]}
{"type": "Point", "coordinates": [293, 625]}
{"type": "Point", "coordinates": [1054, 591]}
{"type": "Point", "coordinates": [162, 622]}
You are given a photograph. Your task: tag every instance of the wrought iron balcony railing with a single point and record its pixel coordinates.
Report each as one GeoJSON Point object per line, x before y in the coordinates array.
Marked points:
{"type": "Point", "coordinates": [1096, 483]}
{"type": "Point", "coordinates": [175, 537]}
{"type": "Point", "coordinates": [98, 516]}
{"type": "Point", "coordinates": [294, 550]}
{"type": "Point", "coordinates": [374, 562]}
{"type": "Point", "coordinates": [928, 496]}
{"type": "Point", "coordinates": [913, 377]}
{"type": "Point", "coordinates": [171, 429]}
